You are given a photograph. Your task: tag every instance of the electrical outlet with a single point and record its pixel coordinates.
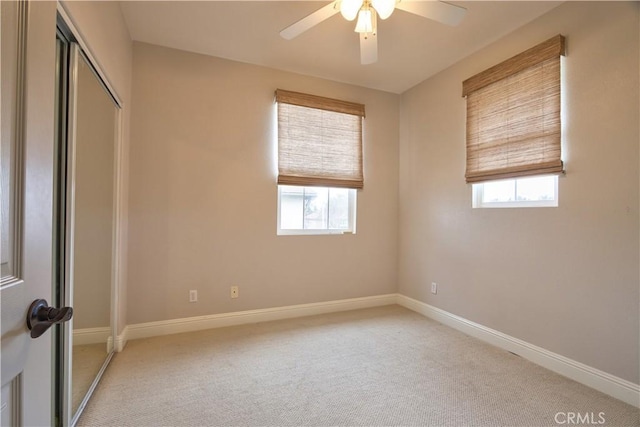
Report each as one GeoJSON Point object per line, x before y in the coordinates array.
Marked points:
{"type": "Point", "coordinates": [193, 296]}
{"type": "Point", "coordinates": [234, 292]}
{"type": "Point", "coordinates": [434, 288]}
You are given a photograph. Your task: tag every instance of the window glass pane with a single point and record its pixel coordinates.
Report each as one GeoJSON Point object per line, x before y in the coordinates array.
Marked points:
{"type": "Point", "coordinates": [537, 188]}
{"type": "Point", "coordinates": [499, 191]}
{"type": "Point", "coordinates": [538, 191]}
{"type": "Point", "coordinates": [339, 208]}
{"type": "Point", "coordinates": [315, 210]}
{"type": "Point", "coordinates": [315, 207]}
{"type": "Point", "coordinates": [291, 207]}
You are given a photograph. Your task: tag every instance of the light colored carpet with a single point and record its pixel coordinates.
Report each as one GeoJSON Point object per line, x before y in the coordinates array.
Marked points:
{"type": "Point", "coordinates": [381, 366]}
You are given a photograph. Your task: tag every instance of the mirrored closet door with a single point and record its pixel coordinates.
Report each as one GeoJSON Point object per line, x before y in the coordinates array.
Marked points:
{"type": "Point", "coordinates": [88, 121]}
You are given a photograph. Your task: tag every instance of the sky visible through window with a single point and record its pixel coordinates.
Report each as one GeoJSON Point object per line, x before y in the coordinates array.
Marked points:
{"type": "Point", "coordinates": [520, 190]}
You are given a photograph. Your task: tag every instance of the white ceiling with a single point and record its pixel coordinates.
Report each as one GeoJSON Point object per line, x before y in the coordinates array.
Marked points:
{"type": "Point", "coordinates": [410, 48]}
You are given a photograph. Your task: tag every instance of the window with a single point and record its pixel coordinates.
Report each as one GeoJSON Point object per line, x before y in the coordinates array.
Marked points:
{"type": "Point", "coordinates": [319, 163]}
{"type": "Point", "coordinates": [539, 191]}
{"type": "Point", "coordinates": [316, 210]}
{"type": "Point", "coordinates": [513, 127]}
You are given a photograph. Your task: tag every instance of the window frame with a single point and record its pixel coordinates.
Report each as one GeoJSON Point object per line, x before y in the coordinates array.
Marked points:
{"type": "Point", "coordinates": [353, 197]}
{"type": "Point", "coordinates": [478, 193]}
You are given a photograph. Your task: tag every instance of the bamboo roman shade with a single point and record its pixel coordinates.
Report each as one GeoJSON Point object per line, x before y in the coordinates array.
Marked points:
{"type": "Point", "coordinates": [513, 116]}
{"type": "Point", "coordinates": [319, 141]}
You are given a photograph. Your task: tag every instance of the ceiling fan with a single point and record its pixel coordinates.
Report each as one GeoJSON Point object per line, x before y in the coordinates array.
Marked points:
{"type": "Point", "coordinates": [367, 12]}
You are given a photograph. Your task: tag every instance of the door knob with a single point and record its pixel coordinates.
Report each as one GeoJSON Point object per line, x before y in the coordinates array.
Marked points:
{"type": "Point", "coordinates": [41, 317]}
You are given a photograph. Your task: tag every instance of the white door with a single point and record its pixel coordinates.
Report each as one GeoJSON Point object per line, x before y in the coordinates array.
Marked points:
{"type": "Point", "coordinates": [27, 186]}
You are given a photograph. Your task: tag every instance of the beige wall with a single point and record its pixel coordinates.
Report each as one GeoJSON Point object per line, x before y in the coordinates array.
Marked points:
{"type": "Point", "coordinates": [203, 193]}
{"type": "Point", "coordinates": [565, 278]}
{"type": "Point", "coordinates": [104, 30]}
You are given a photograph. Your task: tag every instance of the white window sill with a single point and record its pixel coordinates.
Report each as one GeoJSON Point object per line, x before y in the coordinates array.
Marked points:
{"type": "Point", "coordinates": [313, 232]}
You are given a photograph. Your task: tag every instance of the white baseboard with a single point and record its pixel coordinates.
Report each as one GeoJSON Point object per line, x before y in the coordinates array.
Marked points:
{"type": "Point", "coordinates": [190, 324]}
{"type": "Point", "coordinates": [606, 383]}
{"type": "Point", "coordinates": [91, 336]}
{"type": "Point", "coordinates": [121, 340]}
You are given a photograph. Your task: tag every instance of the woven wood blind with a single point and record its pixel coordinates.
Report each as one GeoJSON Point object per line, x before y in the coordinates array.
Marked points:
{"type": "Point", "coordinates": [319, 141]}
{"type": "Point", "coordinates": [513, 116]}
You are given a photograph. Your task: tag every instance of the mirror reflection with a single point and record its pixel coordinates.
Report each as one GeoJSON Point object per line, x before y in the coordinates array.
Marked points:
{"type": "Point", "coordinates": [92, 180]}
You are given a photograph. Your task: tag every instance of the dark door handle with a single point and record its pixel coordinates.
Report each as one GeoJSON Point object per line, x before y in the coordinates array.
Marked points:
{"type": "Point", "coordinates": [41, 317]}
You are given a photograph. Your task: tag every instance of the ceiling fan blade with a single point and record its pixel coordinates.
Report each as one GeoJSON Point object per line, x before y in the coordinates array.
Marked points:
{"type": "Point", "coordinates": [445, 13]}
{"type": "Point", "coordinates": [368, 48]}
{"type": "Point", "coordinates": [309, 21]}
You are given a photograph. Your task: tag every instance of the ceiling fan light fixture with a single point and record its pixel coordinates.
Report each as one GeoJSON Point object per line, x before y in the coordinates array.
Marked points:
{"type": "Point", "coordinates": [365, 21]}
{"type": "Point", "coordinates": [384, 7]}
{"type": "Point", "coordinates": [349, 8]}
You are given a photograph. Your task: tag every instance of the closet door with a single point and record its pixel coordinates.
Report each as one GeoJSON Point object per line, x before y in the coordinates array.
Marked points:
{"type": "Point", "coordinates": [92, 131]}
